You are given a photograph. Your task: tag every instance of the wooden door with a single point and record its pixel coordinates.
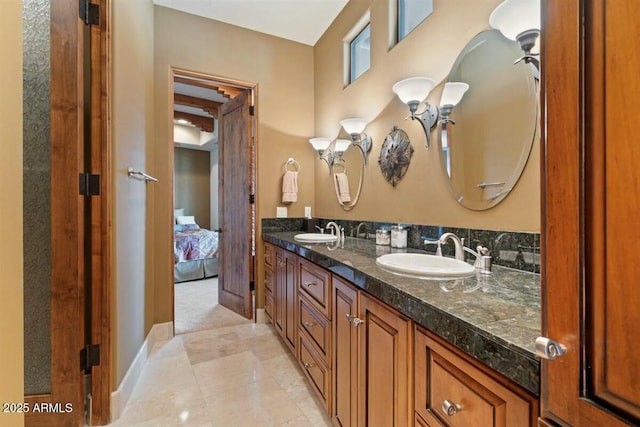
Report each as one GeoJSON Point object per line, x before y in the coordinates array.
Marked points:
{"type": "Point", "coordinates": [591, 190]}
{"type": "Point", "coordinates": [235, 183]}
{"type": "Point", "coordinates": [79, 224]}
{"type": "Point", "coordinates": [385, 368]}
{"type": "Point", "coordinates": [345, 354]}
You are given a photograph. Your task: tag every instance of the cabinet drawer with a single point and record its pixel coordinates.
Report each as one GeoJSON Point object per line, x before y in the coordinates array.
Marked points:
{"type": "Point", "coordinates": [317, 327]}
{"type": "Point", "coordinates": [269, 255]}
{"type": "Point", "coordinates": [315, 370]}
{"type": "Point", "coordinates": [269, 280]}
{"type": "Point", "coordinates": [268, 306]}
{"type": "Point", "coordinates": [315, 283]}
{"type": "Point", "coordinates": [475, 398]}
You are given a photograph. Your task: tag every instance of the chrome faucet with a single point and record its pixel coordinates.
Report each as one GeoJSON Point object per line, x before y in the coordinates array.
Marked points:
{"type": "Point", "coordinates": [457, 243]}
{"type": "Point", "coordinates": [335, 228]}
{"type": "Point", "coordinates": [483, 261]}
{"type": "Point", "coordinates": [362, 224]}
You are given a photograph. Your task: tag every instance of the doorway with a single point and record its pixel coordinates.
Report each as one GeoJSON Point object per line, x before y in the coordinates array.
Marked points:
{"type": "Point", "coordinates": [208, 197]}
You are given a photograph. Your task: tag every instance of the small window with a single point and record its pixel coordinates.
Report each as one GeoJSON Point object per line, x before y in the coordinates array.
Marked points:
{"type": "Point", "coordinates": [411, 13]}
{"type": "Point", "coordinates": [360, 53]}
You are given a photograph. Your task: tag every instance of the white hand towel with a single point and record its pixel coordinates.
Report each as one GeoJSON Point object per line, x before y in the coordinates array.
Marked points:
{"type": "Point", "coordinates": [290, 187]}
{"type": "Point", "coordinates": [342, 186]}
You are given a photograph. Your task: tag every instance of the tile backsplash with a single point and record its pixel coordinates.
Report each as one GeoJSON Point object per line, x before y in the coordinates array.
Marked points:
{"type": "Point", "coordinates": [508, 248]}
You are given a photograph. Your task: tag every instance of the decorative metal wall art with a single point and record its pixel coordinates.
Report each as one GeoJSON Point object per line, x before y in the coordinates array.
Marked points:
{"type": "Point", "coordinates": [395, 155]}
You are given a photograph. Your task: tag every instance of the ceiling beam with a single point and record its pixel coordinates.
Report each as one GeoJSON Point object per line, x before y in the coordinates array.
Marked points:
{"type": "Point", "coordinates": [204, 123]}
{"type": "Point", "coordinates": [209, 106]}
{"type": "Point", "coordinates": [224, 90]}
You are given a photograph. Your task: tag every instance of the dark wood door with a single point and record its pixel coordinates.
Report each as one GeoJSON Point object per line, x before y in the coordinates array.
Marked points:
{"type": "Point", "coordinates": [345, 354]}
{"type": "Point", "coordinates": [385, 392]}
{"type": "Point", "coordinates": [235, 183]}
{"type": "Point", "coordinates": [591, 188]}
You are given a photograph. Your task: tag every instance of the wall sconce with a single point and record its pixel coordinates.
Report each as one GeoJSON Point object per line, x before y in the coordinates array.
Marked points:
{"type": "Point", "coordinates": [355, 128]}
{"type": "Point", "coordinates": [321, 145]}
{"type": "Point", "coordinates": [519, 20]}
{"type": "Point", "coordinates": [413, 91]}
{"type": "Point", "coordinates": [451, 96]}
{"type": "Point", "coordinates": [341, 146]}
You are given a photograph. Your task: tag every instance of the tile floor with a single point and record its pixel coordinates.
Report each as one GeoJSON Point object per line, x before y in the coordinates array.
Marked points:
{"type": "Point", "coordinates": [235, 374]}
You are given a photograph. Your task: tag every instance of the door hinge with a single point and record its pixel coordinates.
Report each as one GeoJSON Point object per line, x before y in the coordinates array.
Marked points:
{"type": "Point", "coordinates": [89, 13]}
{"type": "Point", "coordinates": [89, 184]}
{"type": "Point", "coordinates": [252, 110]}
{"type": "Point", "coordinates": [252, 199]}
{"type": "Point", "coordinates": [89, 357]}
{"type": "Point", "coordinates": [252, 285]}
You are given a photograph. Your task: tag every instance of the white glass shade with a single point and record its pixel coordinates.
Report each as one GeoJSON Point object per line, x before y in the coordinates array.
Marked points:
{"type": "Point", "coordinates": [453, 93]}
{"type": "Point", "coordinates": [413, 89]}
{"type": "Point", "coordinates": [342, 145]}
{"type": "Point", "coordinates": [512, 17]}
{"type": "Point", "coordinates": [320, 144]}
{"type": "Point", "coordinates": [355, 125]}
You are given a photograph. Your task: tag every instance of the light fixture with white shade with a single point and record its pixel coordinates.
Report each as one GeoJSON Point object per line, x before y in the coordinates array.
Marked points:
{"type": "Point", "coordinates": [321, 145]}
{"type": "Point", "coordinates": [413, 91]}
{"type": "Point", "coordinates": [355, 128]}
{"type": "Point", "coordinates": [451, 95]}
{"type": "Point", "coordinates": [341, 146]}
{"type": "Point", "coordinates": [519, 20]}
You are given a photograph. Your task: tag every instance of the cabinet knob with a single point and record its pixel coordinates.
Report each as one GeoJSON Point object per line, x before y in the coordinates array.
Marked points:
{"type": "Point", "coordinates": [308, 365]}
{"type": "Point", "coordinates": [309, 324]}
{"type": "Point", "coordinates": [549, 349]}
{"type": "Point", "coordinates": [354, 319]}
{"type": "Point", "coordinates": [308, 284]}
{"type": "Point", "coordinates": [451, 408]}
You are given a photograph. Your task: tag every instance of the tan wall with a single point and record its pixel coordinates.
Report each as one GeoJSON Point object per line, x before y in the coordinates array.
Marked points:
{"type": "Point", "coordinates": [430, 50]}
{"type": "Point", "coordinates": [11, 314]}
{"type": "Point", "coordinates": [192, 184]}
{"type": "Point", "coordinates": [283, 71]}
{"type": "Point", "coordinates": [132, 132]}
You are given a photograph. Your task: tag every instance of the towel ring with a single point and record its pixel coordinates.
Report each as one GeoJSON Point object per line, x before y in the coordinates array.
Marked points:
{"type": "Point", "coordinates": [294, 163]}
{"type": "Point", "coordinates": [340, 162]}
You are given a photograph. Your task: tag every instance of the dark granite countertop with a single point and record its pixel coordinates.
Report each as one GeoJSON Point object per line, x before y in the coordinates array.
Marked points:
{"type": "Point", "coordinates": [494, 318]}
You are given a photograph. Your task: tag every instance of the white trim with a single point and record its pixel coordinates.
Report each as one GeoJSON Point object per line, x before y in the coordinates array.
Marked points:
{"type": "Point", "coordinates": [120, 397]}
{"type": "Point", "coordinates": [346, 45]}
{"type": "Point", "coordinates": [261, 316]}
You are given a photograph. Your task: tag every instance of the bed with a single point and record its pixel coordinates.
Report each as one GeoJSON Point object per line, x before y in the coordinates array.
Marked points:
{"type": "Point", "coordinates": [195, 253]}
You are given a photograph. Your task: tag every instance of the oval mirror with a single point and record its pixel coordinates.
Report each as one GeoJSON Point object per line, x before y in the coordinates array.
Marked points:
{"type": "Point", "coordinates": [485, 146]}
{"type": "Point", "coordinates": [347, 172]}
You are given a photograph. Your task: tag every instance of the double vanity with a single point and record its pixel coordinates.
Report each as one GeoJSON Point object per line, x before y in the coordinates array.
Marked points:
{"type": "Point", "coordinates": [385, 342]}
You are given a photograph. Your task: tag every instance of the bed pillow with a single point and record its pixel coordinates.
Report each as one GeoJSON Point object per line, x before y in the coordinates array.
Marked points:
{"type": "Point", "coordinates": [176, 214]}
{"type": "Point", "coordinates": [186, 219]}
{"type": "Point", "coordinates": [185, 227]}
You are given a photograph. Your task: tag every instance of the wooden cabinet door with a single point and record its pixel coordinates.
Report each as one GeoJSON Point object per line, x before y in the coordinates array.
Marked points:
{"type": "Point", "coordinates": [345, 354]}
{"type": "Point", "coordinates": [280, 296]}
{"type": "Point", "coordinates": [591, 188]}
{"type": "Point", "coordinates": [285, 297]}
{"type": "Point", "coordinates": [385, 369]}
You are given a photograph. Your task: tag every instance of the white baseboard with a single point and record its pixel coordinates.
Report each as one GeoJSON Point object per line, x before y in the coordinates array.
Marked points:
{"type": "Point", "coordinates": [261, 316]}
{"type": "Point", "coordinates": [120, 397]}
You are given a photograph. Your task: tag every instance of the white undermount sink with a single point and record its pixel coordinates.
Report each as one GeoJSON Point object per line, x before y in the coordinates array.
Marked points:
{"type": "Point", "coordinates": [315, 238]}
{"type": "Point", "coordinates": [425, 266]}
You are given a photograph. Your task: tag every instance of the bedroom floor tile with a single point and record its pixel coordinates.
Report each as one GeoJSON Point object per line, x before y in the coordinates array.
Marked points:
{"type": "Point", "coordinates": [236, 373]}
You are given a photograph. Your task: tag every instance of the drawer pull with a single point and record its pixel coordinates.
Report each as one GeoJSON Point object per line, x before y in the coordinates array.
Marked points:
{"type": "Point", "coordinates": [308, 365]}
{"type": "Point", "coordinates": [308, 284]}
{"type": "Point", "coordinates": [549, 349]}
{"type": "Point", "coordinates": [309, 324]}
{"type": "Point", "coordinates": [451, 408]}
{"type": "Point", "coordinates": [266, 282]}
